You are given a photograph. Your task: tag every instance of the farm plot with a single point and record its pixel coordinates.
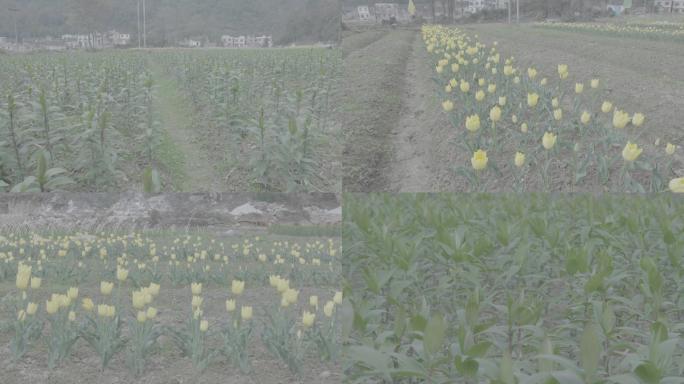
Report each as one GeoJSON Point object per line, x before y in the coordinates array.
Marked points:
{"type": "Point", "coordinates": [528, 130]}
{"type": "Point", "coordinates": [170, 120]}
{"type": "Point", "coordinates": [160, 307]}
{"type": "Point", "coordinates": [266, 113]}
{"type": "Point", "coordinates": [662, 30]}
{"type": "Point", "coordinates": [78, 120]}
{"type": "Point", "coordinates": [514, 289]}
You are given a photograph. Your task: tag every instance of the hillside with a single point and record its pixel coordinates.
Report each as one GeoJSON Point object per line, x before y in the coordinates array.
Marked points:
{"type": "Point", "coordinates": [171, 20]}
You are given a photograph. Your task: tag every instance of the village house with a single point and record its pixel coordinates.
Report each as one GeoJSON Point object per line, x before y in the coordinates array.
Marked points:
{"type": "Point", "coordinates": [250, 41]}
{"type": "Point", "coordinates": [364, 13]}
{"type": "Point", "coordinates": [190, 43]}
{"type": "Point", "coordinates": [119, 39]}
{"type": "Point", "coordinates": [96, 40]}
{"type": "Point", "coordinates": [380, 12]}
{"type": "Point", "coordinates": [667, 6]}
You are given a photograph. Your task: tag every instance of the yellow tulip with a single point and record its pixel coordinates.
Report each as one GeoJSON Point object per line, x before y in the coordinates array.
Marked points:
{"type": "Point", "coordinates": [586, 117]}
{"type": "Point", "coordinates": [204, 326]}
{"type": "Point", "coordinates": [71, 316]}
{"type": "Point", "coordinates": [638, 119]}
{"type": "Point", "coordinates": [523, 127]}
{"type": "Point", "coordinates": [519, 159]}
{"type": "Point", "coordinates": [465, 86]}
{"type": "Point", "coordinates": [141, 317]}
{"type": "Point", "coordinates": [670, 148]}
{"type": "Point", "coordinates": [532, 99]}
{"type": "Point", "coordinates": [237, 287]}
{"type": "Point", "coordinates": [558, 114]}
{"type": "Point", "coordinates": [554, 102]}
{"type": "Point", "coordinates": [491, 88]}
{"type": "Point", "coordinates": [543, 81]}
{"type": "Point", "coordinates": [51, 306]}
{"type": "Point", "coordinates": [606, 107]}
{"type": "Point", "coordinates": [196, 288]}
{"type": "Point", "coordinates": [337, 298]}
{"type": "Point", "coordinates": [153, 289]}
{"type": "Point", "coordinates": [291, 295]}
{"type": "Point", "coordinates": [328, 308]}
{"type": "Point", "coordinates": [594, 83]}
{"type": "Point", "coordinates": [502, 101]}
{"type": "Point", "coordinates": [473, 123]}
{"type": "Point", "coordinates": [246, 313]}
{"type": "Point", "coordinates": [495, 114]}
{"type": "Point", "coordinates": [549, 140]}
{"type": "Point", "coordinates": [481, 82]}
{"type": "Point", "coordinates": [479, 160]}
{"type": "Point", "coordinates": [531, 73]}
{"type": "Point", "coordinates": [631, 152]}
{"type": "Point", "coordinates": [121, 274]}
{"type": "Point", "coordinates": [151, 313]}
{"type": "Point", "coordinates": [196, 301]}
{"type": "Point", "coordinates": [31, 308]}
{"type": "Point", "coordinates": [620, 119]}
{"type": "Point", "coordinates": [23, 276]}
{"type": "Point", "coordinates": [677, 185]}
{"type": "Point", "coordinates": [308, 319]}
{"type": "Point", "coordinates": [563, 71]}
{"type": "Point", "coordinates": [579, 88]}
{"type": "Point", "coordinates": [479, 95]}
{"type": "Point", "coordinates": [106, 287]}
{"type": "Point", "coordinates": [138, 299]}
{"type": "Point", "coordinates": [313, 301]}
{"type": "Point", "coordinates": [87, 304]}
{"type": "Point", "coordinates": [35, 282]}
{"type": "Point", "coordinates": [454, 67]}
{"type": "Point", "coordinates": [72, 293]}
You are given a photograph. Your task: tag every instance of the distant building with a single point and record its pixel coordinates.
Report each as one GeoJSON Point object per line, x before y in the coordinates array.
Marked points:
{"type": "Point", "coordinates": [674, 6]}
{"type": "Point", "coordinates": [385, 12]}
{"type": "Point", "coordinates": [364, 13]}
{"type": "Point", "coordinates": [265, 41]}
{"type": "Point", "coordinates": [119, 39]}
{"type": "Point", "coordinates": [190, 43]}
{"type": "Point", "coordinates": [96, 40]}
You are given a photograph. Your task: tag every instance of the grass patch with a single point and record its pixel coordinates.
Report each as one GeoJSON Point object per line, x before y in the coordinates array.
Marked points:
{"type": "Point", "coordinates": [331, 230]}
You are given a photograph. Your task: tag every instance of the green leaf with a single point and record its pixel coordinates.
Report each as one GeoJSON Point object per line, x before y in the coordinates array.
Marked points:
{"type": "Point", "coordinates": [648, 372]}
{"type": "Point", "coordinates": [506, 374]}
{"type": "Point", "coordinates": [467, 367]}
{"type": "Point", "coordinates": [590, 351]}
{"type": "Point", "coordinates": [435, 332]}
{"type": "Point", "coordinates": [479, 349]}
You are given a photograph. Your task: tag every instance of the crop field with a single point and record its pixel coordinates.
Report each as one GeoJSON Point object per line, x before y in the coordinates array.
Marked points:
{"type": "Point", "coordinates": [458, 288]}
{"type": "Point", "coordinates": [656, 30]}
{"type": "Point", "coordinates": [170, 120]}
{"type": "Point", "coordinates": [162, 306]}
{"type": "Point", "coordinates": [608, 107]}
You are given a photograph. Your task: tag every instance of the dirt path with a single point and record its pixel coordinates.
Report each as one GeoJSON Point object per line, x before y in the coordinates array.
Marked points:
{"type": "Point", "coordinates": [371, 106]}
{"type": "Point", "coordinates": [197, 171]}
{"type": "Point", "coordinates": [392, 120]}
{"type": "Point", "coordinates": [412, 168]}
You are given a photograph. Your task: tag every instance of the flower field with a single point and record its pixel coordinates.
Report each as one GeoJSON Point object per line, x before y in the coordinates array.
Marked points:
{"type": "Point", "coordinates": [657, 30]}
{"type": "Point", "coordinates": [103, 121]}
{"type": "Point", "coordinates": [157, 305]}
{"type": "Point", "coordinates": [528, 130]}
{"type": "Point", "coordinates": [452, 288]}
